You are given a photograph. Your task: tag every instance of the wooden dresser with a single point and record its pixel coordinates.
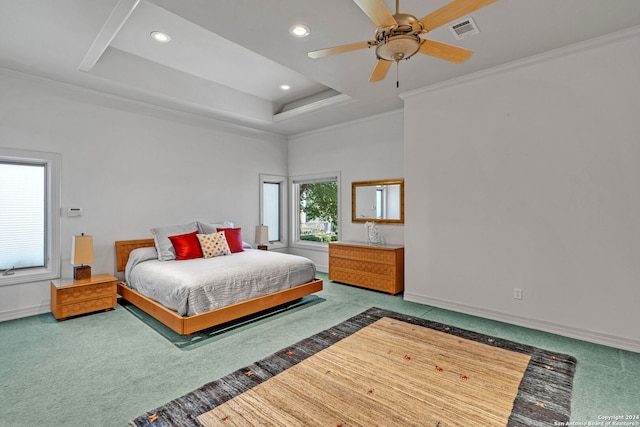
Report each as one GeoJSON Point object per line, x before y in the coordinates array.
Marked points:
{"type": "Point", "coordinates": [375, 267]}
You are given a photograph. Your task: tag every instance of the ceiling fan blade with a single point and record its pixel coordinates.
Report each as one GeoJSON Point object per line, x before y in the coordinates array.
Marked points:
{"type": "Point", "coordinates": [452, 11]}
{"type": "Point", "coordinates": [338, 49]}
{"type": "Point", "coordinates": [377, 11]}
{"type": "Point", "coordinates": [380, 71]}
{"type": "Point", "coordinates": [445, 51]}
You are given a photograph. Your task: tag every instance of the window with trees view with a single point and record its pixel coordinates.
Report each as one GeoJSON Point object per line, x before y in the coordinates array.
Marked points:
{"type": "Point", "coordinates": [316, 209]}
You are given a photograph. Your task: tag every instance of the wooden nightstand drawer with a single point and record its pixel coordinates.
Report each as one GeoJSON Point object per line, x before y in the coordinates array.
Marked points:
{"type": "Point", "coordinates": [82, 293]}
{"type": "Point", "coordinates": [74, 297]}
{"type": "Point", "coordinates": [83, 307]}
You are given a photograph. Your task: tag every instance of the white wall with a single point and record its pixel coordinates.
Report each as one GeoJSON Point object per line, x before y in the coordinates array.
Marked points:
{"type": "Point", "coordinates": [131, 167]}
{"type": "Point", "coordinates": [528, 177]}
{"type": "Point", "coordinates": [361, 150]}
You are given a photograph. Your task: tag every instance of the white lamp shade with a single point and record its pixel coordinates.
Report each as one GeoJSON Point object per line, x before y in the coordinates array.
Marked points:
{"type": "Point", "coordinates": [81, 250]}
{"type": "Point", "coordinates": [262, 234]}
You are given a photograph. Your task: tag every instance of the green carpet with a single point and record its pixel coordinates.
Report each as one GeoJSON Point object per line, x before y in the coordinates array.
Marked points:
{"type": "Point", "coordinates": [105, 369]}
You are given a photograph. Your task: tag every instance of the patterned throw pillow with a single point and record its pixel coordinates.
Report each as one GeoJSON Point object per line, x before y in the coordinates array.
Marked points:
{"type": "Point", "coordinates": [213, 244]}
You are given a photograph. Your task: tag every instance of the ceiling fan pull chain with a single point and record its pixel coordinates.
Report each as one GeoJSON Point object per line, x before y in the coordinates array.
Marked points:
{"type": "Point", "coordinates": [398, 74]}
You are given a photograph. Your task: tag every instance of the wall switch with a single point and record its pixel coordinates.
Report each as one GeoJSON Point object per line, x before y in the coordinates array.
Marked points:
{"type": "Point", "coordinates": [517, 293]}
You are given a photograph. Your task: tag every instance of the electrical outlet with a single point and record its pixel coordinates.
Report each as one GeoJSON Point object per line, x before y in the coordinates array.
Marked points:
{"type": "Point", "coordinates": [517, 293]}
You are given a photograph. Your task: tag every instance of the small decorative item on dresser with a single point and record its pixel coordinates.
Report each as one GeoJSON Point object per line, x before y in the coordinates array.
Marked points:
{"type": "Point", "coordinates": [81, 254]}
{"type": "Point", "coordinates": [374, 237]}
{"type": "Point", "coordinates": [262, 236]}
{"type": "Point", "coordinates": [73, 297]}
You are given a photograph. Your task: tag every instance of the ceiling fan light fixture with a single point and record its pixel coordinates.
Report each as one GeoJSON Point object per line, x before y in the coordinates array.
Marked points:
{"type": "Point", "coordinates": [161, 37]}
{"type": "Point", "coordinates": [299, 30]}
{"type": "Point", "coordinates": [397, 48]}
{"type": "Point", "coordinates": [398, 36]}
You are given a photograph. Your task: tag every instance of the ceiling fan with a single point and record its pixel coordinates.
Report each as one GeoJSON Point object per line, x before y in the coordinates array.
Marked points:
{"type": "Point", "coordinates": [397, 36]}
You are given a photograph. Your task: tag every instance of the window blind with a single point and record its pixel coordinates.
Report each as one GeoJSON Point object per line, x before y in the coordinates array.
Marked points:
{"type": "Point", "coordinates": [22, 215]}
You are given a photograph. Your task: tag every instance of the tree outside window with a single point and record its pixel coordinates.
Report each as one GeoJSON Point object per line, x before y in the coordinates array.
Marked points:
{"type": "Point", "coordinates": [318, 210]}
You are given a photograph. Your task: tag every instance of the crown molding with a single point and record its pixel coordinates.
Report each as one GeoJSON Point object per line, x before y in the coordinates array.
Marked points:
{"type": "Point", "coordinates": [347, 124]}
{"type": "Point", "coordinates": [531, 60]}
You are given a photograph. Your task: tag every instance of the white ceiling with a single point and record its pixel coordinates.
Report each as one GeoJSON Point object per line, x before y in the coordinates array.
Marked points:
{"type": "Point", "coordinates": [227, 59]}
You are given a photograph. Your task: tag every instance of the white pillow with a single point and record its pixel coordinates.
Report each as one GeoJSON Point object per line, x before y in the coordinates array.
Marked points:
{"type": "Point", "coordinates": [212, 227]}
{"type": "Point", "coordinates": [165, 249]}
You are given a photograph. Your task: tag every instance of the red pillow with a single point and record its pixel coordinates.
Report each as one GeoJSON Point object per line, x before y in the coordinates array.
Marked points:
{"type": "Point", "coordinates": [234, 238]}
{"type": "Point", "coordinates": [187, 246]}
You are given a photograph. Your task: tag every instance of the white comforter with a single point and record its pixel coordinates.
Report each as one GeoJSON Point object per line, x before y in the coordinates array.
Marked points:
{"type": "Point", "coordinates": [199, 285]}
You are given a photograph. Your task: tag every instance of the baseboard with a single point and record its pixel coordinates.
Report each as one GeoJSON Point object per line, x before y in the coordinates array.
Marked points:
{"type": "Point", "coordinates": [322, 268]}
{"type": "Point", "coordinates": [24, 312]}
{"type": "Point", "coordinates": [541, 325]}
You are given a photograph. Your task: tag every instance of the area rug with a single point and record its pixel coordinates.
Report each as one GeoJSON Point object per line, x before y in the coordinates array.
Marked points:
{"type": "Point", "coordinates": [382, 368]}
{"type": "Point", "coordinates": [197, 339]}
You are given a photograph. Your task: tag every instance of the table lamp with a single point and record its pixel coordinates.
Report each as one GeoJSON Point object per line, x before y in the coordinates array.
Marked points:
{"type": "Point", "coordinates": [81, 254]}
{"type": "Point", "coordinates": [262, 236]}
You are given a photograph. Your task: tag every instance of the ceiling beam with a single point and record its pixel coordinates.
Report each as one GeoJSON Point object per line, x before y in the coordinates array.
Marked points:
{"type": "Point", "coordinates": [110, 29]}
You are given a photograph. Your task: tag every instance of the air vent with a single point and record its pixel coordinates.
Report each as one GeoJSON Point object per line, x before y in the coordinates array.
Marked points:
{"type": "Point", "coordinates": [463, 29]}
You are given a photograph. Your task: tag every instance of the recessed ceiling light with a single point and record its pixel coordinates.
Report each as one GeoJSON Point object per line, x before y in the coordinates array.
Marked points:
{"type": "Point", "coordinates": [299, 30]}
{"type": "Point", "coordinates": [161, 37]}
{"type": "Point", "coordinates": [285, 87]}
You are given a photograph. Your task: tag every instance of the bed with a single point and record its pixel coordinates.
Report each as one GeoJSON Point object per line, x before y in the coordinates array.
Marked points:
{"type": "Point", "coordinates": [185, 320]}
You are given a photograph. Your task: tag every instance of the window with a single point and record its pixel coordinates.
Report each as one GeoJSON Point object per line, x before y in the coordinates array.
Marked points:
{"type": "Point", "coordinates": [271, 206]}
{"type": "Point", "coordinates": [380, 203]}
{"type": "Point", "coordinates": [22, 215]}
{"type": "Point", "coordinates": [273, 202]}
{"type": "Point", "coordinates": [315, 208]}
{"type": "Point", "coordinates": [29, 226]}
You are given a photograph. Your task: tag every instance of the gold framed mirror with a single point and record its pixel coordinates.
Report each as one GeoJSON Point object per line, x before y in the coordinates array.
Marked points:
{"type": "Point", "coordinates": [381, 201]}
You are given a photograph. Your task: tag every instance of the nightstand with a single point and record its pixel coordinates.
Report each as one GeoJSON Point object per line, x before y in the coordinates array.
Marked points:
{"type": "Point", "coordinates": [73, 297]}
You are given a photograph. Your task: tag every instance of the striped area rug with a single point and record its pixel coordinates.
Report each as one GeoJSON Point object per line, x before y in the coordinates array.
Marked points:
{"type": "Point", "coordinates": [382, 368]}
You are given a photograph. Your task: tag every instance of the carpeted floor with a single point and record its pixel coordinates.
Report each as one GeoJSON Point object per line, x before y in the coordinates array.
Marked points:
{"type": "Point", "coordinates": [105, 369]}
{"type": "Point", "coordinates": [385, 368]}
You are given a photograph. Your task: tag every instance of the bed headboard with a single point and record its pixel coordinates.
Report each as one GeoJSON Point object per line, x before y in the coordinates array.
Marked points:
{"type": "Point", "coordinates": [124, 248]}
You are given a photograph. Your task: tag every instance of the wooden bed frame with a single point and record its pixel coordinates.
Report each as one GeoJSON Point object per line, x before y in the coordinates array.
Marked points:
{"type": "Point", "coordinates": [190, 324]}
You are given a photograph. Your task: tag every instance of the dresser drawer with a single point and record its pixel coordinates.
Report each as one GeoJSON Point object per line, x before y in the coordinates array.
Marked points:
{"type": "Point", "coordinates": [377, 283]}
{"type": "Point", "coordinates": [383, 270]}
{"type": "Point", "coordinates": [371, 254]}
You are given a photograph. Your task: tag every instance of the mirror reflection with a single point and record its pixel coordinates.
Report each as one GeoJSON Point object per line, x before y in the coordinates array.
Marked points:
{"type": "Point", "coordinates": [380, 201]}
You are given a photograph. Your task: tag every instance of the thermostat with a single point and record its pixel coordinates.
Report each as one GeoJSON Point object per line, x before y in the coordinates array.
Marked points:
{"type": "Point", "coordinates": [74, 211]}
